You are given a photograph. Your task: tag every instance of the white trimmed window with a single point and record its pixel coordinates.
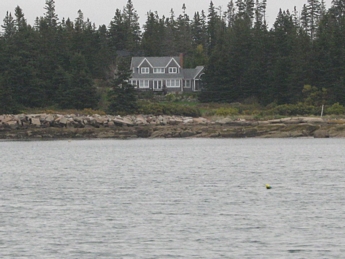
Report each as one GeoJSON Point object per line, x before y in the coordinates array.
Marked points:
{"type": "Point", "coordinates": [173, 83]}
{"type": "Point", "coordinates": [143, 83]}
{"type": "Point", "coordinates": [172, 70]}
{"type": "Point", "coordinates": [187, 83]}
{"type": "Point", "coordinates": [145, 70]}
{"type": "Point", "coordinates": [159, 70]}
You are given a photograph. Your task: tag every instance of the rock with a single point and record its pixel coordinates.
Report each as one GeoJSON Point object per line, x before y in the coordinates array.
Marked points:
{"type": "Point", "coordinates": [122, 121]}
{"type": "Point", "coordinates": [312, 120]}
{"type": "Point", "coordinates": [63, 121]}
{"type": "Point", "coordinates": [200, 120]}
{"type": "Point", "coordinates": [50, 118]}
{"type": "Point", "coordinates": [12, 124]}
{"type": "Point", "coordinates": [174, 121]}
{"type": "Point", "coordinates": [321, 134]}
{"type": "Point", "coordinates": [140, 120]}
{"type": "Point", "coordinates": [186, 134]}
{"type": "Point", "coordinates": [35, 121]}
{"type": "Point", "coordinates": [187, 120]}
{"type": "Point", "coordinates": [144, 132]}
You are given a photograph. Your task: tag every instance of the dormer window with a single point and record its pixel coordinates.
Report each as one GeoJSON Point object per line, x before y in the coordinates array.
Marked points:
{"type": "Point", "coordinates": [145, 70]}
{"type": "Point", "coordinates": [159, 70]}
{"type": "Point", "coordinates": [172, 70]}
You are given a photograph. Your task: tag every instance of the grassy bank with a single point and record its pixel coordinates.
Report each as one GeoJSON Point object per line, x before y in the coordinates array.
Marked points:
{"type": "Point", "coordinates": [188, 105]}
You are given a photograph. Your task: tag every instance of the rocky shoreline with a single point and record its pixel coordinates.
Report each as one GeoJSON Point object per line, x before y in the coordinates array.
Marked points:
{"type": "Point", "coordinates": [74, 126]}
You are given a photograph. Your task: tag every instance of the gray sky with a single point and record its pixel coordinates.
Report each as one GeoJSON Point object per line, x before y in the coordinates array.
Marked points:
{"type": "Point", "coordinates": [102, 11]}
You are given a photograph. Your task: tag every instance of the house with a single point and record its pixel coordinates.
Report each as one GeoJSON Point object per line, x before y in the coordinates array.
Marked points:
{"type": "Point", "coordinates": [165, 74]}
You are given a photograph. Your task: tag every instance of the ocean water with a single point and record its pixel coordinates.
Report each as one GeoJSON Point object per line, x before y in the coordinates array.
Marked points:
{"type": "Point", "coordinates": [176, 198]}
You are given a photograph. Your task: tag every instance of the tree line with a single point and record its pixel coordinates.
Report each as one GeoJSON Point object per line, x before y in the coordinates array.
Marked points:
{"type": "Point", "coordinates": [65, 63]}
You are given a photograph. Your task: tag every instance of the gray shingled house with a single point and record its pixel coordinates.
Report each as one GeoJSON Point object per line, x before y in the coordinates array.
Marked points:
{"type": "Point", "coordinates": [165, 74]}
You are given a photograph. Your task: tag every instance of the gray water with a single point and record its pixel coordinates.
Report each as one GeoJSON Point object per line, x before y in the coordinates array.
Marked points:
{"type": "Point", "coordinates": [195, 198]}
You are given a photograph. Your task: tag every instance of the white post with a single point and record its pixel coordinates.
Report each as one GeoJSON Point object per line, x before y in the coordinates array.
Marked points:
{"type": "Point", "coordinates": [322, 110]}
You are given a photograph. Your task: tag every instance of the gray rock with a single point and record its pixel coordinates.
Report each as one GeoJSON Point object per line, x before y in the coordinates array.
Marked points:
{"type": "Point", "coordinates": [36, 122]}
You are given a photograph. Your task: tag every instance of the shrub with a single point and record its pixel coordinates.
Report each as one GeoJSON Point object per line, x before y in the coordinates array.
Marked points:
{"type": "Point", "coordinates": [226, 112]}
{"type": "Point", "coordinates": [168, 109]}
{"type": "Point", "coordinates": [335, 109]}
{"type": "Point", "coordinates": [170, 97]}
{"type": "Point", "coordinates": [295, 109]}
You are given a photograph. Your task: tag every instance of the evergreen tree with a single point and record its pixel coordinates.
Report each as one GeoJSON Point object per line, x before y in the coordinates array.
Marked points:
{"type": "Point", "coordinates": [132, 27]}
{"type": "Point", "coordinates": [213, 26]}
{"type": "Point", "coordinates": [20, 21]}
{"type": "Point", "coordinates": [314, 13]}
{"type": "Point", "coordinates": [117, 32]}
{"type": "Point", "coordinates": [122, 97]}
{"type": "Point", "coordinates": [153, 36]}
{"type": "Point", "coordinates": [50, 16]}
{"type": "Point", "coordinates": [198, 30]}
{"type": "Point", "coordinates": [7, 102]}
{"type": "Point", "coordinates": [183, 35]}
{"type": "Point", "coordinates": [230, 13]}
{"type": "Point", "coordinates": [8, 26]}
{"type": "Point", "coordinates": [82, 93]}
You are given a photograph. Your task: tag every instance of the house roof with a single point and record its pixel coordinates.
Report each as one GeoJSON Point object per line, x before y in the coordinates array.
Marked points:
{"type": "Point", "coordinates": [154, 61]}
{"type": "Point", "coordinates": [192, 73]}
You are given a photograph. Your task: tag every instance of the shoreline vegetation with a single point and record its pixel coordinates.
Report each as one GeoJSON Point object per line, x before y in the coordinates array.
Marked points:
{"type": "Point", "coordinates": [46, 126]}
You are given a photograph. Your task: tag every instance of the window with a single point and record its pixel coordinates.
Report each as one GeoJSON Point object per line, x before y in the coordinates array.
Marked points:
{"type": "Point", "coordinates": [143, 83]}
{"type": "Point", "coordinates": [187, 83]}
{"type": "Point", "coordinates": [159, 70]}
{"type": "Point", "coordinates": [173, 83]}
{"type": "Point", "coordinates": [145, 70]}
{"type": "Point", "coordinates": [172, 70]}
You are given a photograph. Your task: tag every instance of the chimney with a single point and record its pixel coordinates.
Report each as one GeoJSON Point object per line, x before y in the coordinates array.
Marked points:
{"type": "Point", "coordinates": [181, 60]}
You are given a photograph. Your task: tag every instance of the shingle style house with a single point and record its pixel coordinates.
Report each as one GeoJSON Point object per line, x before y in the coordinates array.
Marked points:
{"type": "Point", "coordinates": [164, 74]}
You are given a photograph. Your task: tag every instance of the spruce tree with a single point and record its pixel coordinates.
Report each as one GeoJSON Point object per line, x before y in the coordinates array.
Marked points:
{"type": "Point", "coordinates": [122, 97]}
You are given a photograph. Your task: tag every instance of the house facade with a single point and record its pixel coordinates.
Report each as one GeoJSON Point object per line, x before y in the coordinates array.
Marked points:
{"type": "Point", "coordinates": [165, 74]}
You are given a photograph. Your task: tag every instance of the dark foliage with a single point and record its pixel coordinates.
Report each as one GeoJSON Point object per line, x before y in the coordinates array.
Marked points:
{"type": "Point", "coordinates": [56, 61]}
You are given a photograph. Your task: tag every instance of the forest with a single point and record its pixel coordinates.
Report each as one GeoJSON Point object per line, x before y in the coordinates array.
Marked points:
{"type": "Point", "coordinates": [72, 64]}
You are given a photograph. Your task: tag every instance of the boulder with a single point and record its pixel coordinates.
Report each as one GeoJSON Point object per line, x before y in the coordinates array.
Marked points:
{"type": "Point", "coordinates": [187, 120]}
{"type": "Point", "coordinates": [186, 134]}
{"type": "Point", "coordinates": [35, 121]}
{"type": "Point", "coordinates": [122, 121]}
{"type": "Point", "coordinates": [321, 134]}
{"type": "Point", "coordinates": [312, 120]}
{"type": "Point", "coordinates": [63, 121]}
{"type": "Point", "coordinates": [200, 120]}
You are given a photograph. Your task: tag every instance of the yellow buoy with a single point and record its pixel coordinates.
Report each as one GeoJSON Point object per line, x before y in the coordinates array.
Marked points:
{"type": "Point", "coordinates": [268, 186]}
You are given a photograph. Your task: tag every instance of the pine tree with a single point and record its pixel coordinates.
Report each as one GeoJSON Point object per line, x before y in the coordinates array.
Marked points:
{"type": "Point", "coordinates": [8, 26]}
{"type": "Point", "coordinates": [50, 16]}
{"type": "Point", "coordinates": [153, 35]}
{"type": "Point", "coordinates": [314, 13]}
{"type": "Point", "coordinates": [7, 102]}
{"type": "Point", "coordinates": [132, 27]}
{"type": "Point", "coordinates": [213, 25]}
{"type": "Point", "coordinates": [122, 97]}
{"type": "Point", "coordinates": [117, 32]}
{"type": "Point", "coordinates": [82, 93]}
{"type": "Point", "coordinates": [20, 21]}
{"type": "Point", "coordinates": [183, 35]}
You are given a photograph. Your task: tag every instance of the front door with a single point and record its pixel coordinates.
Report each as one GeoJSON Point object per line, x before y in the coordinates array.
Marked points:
{"type": "Point", "coordinates": [157, 85]}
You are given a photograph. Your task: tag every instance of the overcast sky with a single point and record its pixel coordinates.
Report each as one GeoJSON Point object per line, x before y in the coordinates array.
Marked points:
{"type": "Point", "coordinates": [102, 11]}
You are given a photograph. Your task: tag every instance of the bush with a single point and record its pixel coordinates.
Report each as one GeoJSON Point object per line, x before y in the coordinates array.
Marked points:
{"type": "Point", "coordinates": [170, 97]}
{"type": "Point", "coordinates": [335, 109]}
{"type": "Point", "coordinates": [168, 109]}
{"type": "Point", "coordinates": [295, 109]}
{"type": "Point", "coordinates": [226, 112]}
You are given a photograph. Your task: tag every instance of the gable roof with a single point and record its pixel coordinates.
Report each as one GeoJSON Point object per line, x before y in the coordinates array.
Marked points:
{"type": "Point", "coordinates": [154, 61]}
{"type": "Point", "coordinates": [192, 73]}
